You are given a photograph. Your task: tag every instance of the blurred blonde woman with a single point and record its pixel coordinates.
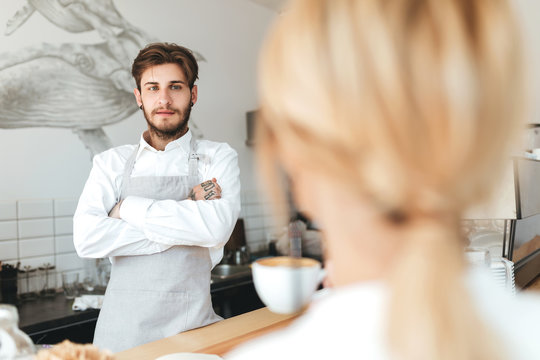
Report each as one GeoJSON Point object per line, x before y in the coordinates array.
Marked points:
{"type": "Point", "coordinates": [391, 117]}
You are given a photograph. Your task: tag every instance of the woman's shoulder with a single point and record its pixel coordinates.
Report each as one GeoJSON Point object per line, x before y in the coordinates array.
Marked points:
{"type": "Point", "coordinates": [342, 323]}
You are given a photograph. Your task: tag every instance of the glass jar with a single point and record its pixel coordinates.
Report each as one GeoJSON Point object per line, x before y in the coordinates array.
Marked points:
{"type": "Point", "coordinates": [28, 283]}
{"type": "Point", "coordinates": [103, 272]}
{"type": "Point", "coordinates": [48, 280]}
{"type": "Point", "coordinates": [14, 344]}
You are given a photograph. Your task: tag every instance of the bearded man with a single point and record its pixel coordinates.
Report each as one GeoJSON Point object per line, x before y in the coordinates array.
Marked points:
{"type": "Point", "coordinates": [161, 210]}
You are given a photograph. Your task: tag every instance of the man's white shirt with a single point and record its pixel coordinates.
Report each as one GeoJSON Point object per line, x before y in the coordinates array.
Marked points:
{"type": "Point", "coordinates": [149, 226]}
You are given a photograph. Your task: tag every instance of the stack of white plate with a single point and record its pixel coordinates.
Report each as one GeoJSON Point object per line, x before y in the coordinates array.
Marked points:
{"type": "Point", "coordinates": [503, 273]}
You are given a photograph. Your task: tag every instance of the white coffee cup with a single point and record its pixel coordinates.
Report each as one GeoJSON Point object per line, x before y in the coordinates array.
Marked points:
{"type": "Point", "coordinates": [285, 284]}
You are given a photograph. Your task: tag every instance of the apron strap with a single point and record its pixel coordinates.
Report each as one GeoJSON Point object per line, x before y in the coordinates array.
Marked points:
{"type": "Point", "coordinates": [127, 173]}
{"type": "Point", "coordinates": [193, 175]}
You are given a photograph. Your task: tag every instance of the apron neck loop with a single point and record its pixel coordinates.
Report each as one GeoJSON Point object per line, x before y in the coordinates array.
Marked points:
{"type": "Point", "coordinates": [193, 175]}
{"type": "Point", "coordinates": [193, 163]}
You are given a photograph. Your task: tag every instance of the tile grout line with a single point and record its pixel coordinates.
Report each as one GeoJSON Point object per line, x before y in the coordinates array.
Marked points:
{"type": "Point", "coordinates": [17, 230]}
{"type": "Point", "coordinates": [54, 235]}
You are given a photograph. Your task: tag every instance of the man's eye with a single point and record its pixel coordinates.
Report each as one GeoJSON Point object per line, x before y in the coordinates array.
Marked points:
{"type": "Point", "coordinates": [153, 88]}
{"type": "Point", "coordinates": [176, 87]}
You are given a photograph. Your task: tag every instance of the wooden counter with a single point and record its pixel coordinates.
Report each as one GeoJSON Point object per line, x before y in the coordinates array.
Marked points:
{"type": "Point", "coordinates": [217, 338]}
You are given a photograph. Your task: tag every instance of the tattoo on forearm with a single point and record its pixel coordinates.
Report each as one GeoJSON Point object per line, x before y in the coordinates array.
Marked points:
{"type": "Point", "coordinates": [209, 195]}
{"type": "Point", "coordinates": [207, 185]}
{"type": "Point", "coordinates": [191, 195]}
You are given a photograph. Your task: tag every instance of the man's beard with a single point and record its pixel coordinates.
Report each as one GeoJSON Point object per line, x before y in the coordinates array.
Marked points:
{"type": "Point", "coordinates": [170, 134]}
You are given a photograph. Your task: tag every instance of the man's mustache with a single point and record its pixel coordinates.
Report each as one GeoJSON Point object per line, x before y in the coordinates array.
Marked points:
{"type": "Point", "coordinates": [155, 111]}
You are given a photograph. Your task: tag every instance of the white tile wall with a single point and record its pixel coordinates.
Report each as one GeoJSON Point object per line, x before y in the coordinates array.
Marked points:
{"type": "Point", "coordinates": [36, 228]}
{"type": "Point", "coordinates": [31, 209]}
{"type": "Point", "coordinates": [258, 220]}
{"type": "Point", "coordinates": [8, 230]}
{"type": "Point", "coordinates": [36, 247]}
{"type": "Point", "coordinates": [254, 223]}
{"type": "Point", "coordinates": [64, 244]}
{"type": "Point", "coordinates": [35, 232]}
{"type": "Point", "coordinates": [8, 250]}
{"type": "Point", "coordinates": [63, 225]}
{"type": "Point", "coordinates": [64, 207]}
{"type": "Point", "coordinates": [39, 231]}
{"type": "Point", "coordinates": [8, 210]}
{"type": "Point", "coordinates": [69, 262]}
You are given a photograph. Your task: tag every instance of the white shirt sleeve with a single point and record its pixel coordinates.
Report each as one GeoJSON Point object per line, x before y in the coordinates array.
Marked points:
{"type": "Point", "coordinates": [95, 234]}
{"type": "Point", "coordinates": [206, 223]}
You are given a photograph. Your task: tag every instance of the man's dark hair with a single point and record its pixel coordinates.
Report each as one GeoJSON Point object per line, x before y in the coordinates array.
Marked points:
{"type": "Point", "coordinates": [165, 53]}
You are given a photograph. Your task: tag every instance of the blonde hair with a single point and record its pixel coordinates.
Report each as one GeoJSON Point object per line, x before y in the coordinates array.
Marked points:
{"type": "Point", "coordinates": [414, 104]}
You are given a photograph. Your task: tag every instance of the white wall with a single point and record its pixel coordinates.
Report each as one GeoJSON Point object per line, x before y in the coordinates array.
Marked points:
{"type": "Point", "coordinates": [53, 163]}
{"type": "Point", "coordinates": [528, 13]}
{"type": "Point", "coordinates": [43, 169]}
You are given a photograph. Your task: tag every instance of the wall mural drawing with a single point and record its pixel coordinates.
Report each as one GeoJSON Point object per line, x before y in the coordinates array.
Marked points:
{"type": "Point", "coordinates": [78, 86]}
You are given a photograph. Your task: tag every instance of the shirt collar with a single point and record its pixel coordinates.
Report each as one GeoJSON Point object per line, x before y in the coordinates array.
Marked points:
{"type": "Point", "coordinates": [183, 143]}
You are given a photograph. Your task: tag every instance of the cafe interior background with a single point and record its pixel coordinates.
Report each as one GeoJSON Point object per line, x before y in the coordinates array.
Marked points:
{"type": "Point", "coordinates": [66, 94]}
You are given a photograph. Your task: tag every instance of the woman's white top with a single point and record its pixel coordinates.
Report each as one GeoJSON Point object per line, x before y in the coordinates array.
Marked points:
{"type": "Point", "coordinates": [350, 322]}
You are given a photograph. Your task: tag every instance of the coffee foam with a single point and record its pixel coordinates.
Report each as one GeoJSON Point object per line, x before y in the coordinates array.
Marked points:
{"type": "Point", "coordinates": [287, 261]}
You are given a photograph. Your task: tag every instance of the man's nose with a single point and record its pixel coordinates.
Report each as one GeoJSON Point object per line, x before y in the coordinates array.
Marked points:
{"type": "Point", "coordinates": [164, 98]}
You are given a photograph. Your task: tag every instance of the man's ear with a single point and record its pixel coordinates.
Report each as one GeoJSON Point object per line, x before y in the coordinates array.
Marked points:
{"type": "Point", "coordinates": [194, 94]}
{"type": "Point", "coordinates": [137, 94]}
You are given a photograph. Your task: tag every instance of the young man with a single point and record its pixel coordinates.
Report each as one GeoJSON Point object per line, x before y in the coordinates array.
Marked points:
{"type": "Point", "coordinates": [147, 208]}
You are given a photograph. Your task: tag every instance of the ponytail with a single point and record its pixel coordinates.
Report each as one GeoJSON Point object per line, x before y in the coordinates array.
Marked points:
{"type": "Point", "coordinates": [431, 314]}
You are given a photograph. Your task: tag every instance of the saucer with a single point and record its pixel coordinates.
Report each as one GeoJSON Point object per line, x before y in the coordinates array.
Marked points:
{"type": "Point", "coordinates": [189, 356]}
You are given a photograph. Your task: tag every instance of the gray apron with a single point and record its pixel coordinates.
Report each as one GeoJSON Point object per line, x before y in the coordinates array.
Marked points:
{"type": "Point", "coordinates": [150, 297]}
